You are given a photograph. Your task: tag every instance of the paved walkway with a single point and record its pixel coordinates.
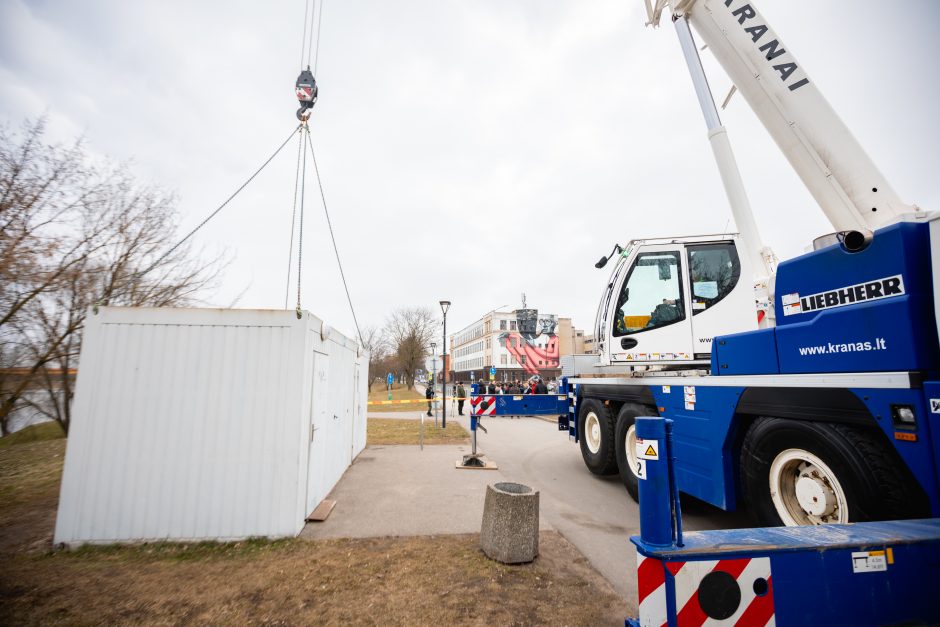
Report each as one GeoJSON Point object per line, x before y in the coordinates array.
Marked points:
{"type": "Point", "coordinates": [406, 491]}
{"type": "Point", "coordinates": [402, 490]}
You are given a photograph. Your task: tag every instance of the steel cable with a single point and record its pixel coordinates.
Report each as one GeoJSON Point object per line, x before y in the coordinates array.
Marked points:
{"type": "Point", "coordinates": [303, 39]}
{"type": "Point", "coordinates": [293, 217]}
{"type": "Point", "coordinates": [313, 17]}
{"type": "Point", "coordinates": [220, 207]}
{"type": "Point", "coordinates": [333, 238]}
{"type": "Point", "coordinates": [316, 56]}
{"type": "Point", "coordinates": [300, 231]}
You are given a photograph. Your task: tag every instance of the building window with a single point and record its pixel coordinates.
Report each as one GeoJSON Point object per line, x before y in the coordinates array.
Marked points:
{"type": "Point", "coordinates": [512, 325]}
{"type": "Point", "coordinates": [502, 325]}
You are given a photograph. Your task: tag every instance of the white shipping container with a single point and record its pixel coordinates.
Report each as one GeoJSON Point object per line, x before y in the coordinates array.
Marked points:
{"type": "Point", "coordinates": [208, 424]}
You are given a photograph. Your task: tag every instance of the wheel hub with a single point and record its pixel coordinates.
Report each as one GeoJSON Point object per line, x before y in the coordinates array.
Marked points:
{"type": "Point", "coordinates": [630, 446]}
{"type": "Point", "coordinates": [593, 432]}
{"type": "Point", "coordinates": [814, 496]}
{"type": "Point", "coordinates": [805, 490]}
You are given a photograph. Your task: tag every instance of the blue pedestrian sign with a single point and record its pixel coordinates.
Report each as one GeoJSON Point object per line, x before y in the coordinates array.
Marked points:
{"type": "Point", "coordinates": [492, 371]}
{"type": "Point", "coordinates": [390, 379]}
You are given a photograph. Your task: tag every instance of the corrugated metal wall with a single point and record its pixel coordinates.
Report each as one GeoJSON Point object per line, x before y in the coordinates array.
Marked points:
{"type": "Point", "coordinates": [195, 424]}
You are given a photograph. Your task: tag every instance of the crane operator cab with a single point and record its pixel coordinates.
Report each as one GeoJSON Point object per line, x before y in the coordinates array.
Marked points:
{"type": "Point", "coordinates": [306, 90]}
{"type": "Point", "coordinates": [668, 298]}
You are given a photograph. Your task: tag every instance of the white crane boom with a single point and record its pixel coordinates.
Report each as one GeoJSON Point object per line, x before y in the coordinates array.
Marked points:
{"type": "Point", "coordinates": [844, 181]}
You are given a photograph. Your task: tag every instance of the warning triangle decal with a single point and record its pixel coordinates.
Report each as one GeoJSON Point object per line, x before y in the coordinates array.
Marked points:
{"type": "Point", "coordinates": [650, 451]}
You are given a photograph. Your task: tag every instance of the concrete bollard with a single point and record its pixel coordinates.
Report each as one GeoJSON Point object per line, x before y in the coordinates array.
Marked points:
{"type": "Point", "coordinates": [510, 531]}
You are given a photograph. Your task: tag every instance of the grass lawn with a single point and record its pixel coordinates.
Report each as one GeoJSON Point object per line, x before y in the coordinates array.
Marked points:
{"type": "Point", "coordinates": [402, 431]}
{"type": "Point", "coordinates": [427, 580]}
{"type": "Point", "coordinates": [43, 431]}
{"type": "Point", "coordinates": [399, 393]}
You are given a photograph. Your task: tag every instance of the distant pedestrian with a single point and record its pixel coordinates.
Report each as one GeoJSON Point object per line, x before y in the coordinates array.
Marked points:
{"type": "Point", "coordinates": [429, 394]}
{"type": "Point", "coordinates": [540, 387]}
{"type": "Point", "coordinates": [491, 389]}
{"type": "Point", "coordinates": [461, 395]}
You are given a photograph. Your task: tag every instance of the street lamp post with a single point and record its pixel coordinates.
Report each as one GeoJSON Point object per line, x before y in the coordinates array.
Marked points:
{"type": "Point", "coordinates": [445, 305]}
{"type": "Point", "coordinates": [433, 379]}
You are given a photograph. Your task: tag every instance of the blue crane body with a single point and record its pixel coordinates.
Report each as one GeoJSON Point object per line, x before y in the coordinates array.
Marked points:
{"type": "Point", "coordinates": [808, 389]}
{"type": "Point", "coordinates": [856, 353]}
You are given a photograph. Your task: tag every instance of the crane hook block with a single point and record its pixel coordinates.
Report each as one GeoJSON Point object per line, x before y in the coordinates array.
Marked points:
{"type": "Point", "coordinates": [306, 90]}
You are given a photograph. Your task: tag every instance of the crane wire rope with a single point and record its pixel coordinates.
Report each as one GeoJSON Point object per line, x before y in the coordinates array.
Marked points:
{"type": "Point", "coordinates": [313, 18]}
{"type": "Point", "coordinates": [329, 225]}
{"type": "Point", "coordinates": [316, 56]}
{"type": "Point", "coordinates": [300, 230]}
{"type": "Point", "coordinates": [293, 216]}
{"type": "Point", "coordinates": [303, 39]}
{"type": "Point", "coordinates": [220, 207]}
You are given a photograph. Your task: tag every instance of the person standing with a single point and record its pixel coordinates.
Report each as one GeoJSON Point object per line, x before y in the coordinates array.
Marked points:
{"type": "Point", "coordinates": [461, 395]}
{"type": "Point", "coordinates": [540, 387]}
{"type": "Point", "coordinates": [429, 394]}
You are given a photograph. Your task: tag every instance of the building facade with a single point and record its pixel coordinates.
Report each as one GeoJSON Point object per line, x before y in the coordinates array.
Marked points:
{"type": "Point", "coordinates": [517, 344]}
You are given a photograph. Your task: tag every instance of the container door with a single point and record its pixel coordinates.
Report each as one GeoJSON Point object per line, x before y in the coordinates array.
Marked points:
{"type": "Point", "coordinates": [650, 321]}
{"type": "Point", "coordinates": [318, 412]}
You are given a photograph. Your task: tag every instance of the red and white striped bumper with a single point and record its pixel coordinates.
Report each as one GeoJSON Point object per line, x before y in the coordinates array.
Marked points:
{"type": "Point", "coordinates": [708, 592]}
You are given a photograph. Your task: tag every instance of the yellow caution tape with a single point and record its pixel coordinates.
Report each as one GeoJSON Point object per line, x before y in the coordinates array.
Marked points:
{"type": "Point", "coordinates": [416, 400]}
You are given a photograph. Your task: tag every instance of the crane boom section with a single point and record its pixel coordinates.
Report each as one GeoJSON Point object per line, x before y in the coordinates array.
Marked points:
{"type": "Point", "coordinates": [845, 182]}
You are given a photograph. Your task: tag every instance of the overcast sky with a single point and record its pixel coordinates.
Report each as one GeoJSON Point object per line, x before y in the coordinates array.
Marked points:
{"type": "Point", "coordinates": [469, 150]}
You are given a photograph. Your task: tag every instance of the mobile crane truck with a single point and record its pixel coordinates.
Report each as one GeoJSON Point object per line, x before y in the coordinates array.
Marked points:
{"type": "Point", "coordinates": [808, 390]}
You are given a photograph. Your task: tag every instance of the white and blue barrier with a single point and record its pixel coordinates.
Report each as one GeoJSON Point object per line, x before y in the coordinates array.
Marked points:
{"type": "Point", "coordinates": [517, 404]}
{"type": "Point", "coordinates": [858, 574]}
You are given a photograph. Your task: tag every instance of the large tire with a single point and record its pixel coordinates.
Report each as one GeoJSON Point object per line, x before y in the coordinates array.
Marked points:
{"type": "Point", "coordinates": [803, 473]}
{"type": "Point", "coordinates": [625, 451]}
{"type": "Point", "coordinates": [596, 436]}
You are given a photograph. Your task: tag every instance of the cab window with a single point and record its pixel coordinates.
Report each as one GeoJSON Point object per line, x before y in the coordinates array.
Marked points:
{"type": "Point", "coordinates": [714, 271]}
{"type": "Point", "coordinates": [651, 296]}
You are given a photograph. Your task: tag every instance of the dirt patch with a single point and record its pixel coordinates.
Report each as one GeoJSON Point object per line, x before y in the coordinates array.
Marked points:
{"type": "Point", "coordinates": [396, 431]}
{"type": "Point", "coordinates": [413, 580]}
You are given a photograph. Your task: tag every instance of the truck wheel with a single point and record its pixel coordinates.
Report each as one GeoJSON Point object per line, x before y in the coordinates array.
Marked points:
{"type": "Point", "coordinates": [596, 435]}
{"type": "Point", "coordinates": [625, 446]}
{"type": "Point", "coordinates": [812, 473]}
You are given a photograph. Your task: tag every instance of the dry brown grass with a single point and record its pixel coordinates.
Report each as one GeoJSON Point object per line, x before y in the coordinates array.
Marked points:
{"type": "Point", "coordinates": [401, 431]}
{"type": "Point", "coordinates": [441, 580]}
{"type": "Point", "coordinates": [433, 580]}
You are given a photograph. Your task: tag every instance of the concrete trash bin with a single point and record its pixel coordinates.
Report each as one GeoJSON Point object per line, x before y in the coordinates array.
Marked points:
{"type": "Point", "coordinates": [510, 531]}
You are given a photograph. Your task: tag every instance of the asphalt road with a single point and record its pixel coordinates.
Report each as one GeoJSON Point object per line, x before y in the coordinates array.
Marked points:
{"type": "Point", "coordinates": [594, 513]}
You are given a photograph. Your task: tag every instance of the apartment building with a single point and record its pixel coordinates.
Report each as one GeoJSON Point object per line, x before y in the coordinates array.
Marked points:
{"type": "Point", "coordinates": [517, 344]}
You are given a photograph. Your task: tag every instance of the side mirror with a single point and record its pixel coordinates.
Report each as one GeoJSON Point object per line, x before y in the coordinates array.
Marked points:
{"type": "Point", "coordinates": [603, 262]}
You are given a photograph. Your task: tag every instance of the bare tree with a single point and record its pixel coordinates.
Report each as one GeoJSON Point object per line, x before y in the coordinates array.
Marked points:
{"type": "Point", "coordinates": [76, 236]}
{"type": "Point", "coordinates": [377, 346]}
{"type": "Point", "coordinates": [409, 332]}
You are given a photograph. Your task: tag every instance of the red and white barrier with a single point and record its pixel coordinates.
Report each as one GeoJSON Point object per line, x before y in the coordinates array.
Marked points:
{"type": "Point", "coordinates": [754, 585]}
{"type": "Point", "coordinates": [482, 405]}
